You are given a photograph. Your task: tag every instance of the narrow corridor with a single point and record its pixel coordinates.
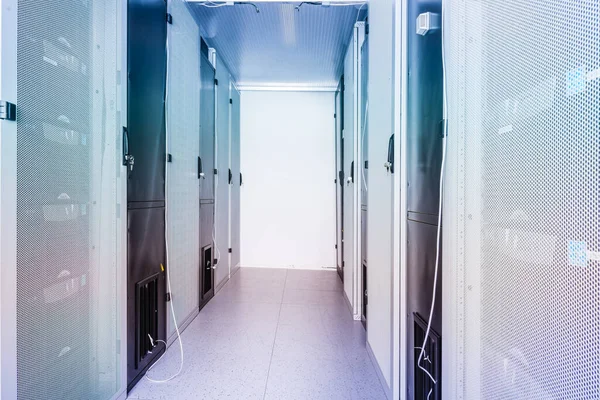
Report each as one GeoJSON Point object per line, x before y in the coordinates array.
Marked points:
{"type": "Point", "coordinates": [270, 334]}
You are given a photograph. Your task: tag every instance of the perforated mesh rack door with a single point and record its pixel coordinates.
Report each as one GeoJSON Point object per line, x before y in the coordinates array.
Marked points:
{"type": "Point", "coordinates": [524, 175]}
{"type": "Point", "coordinates": [67, 165]}
{"type": "Point", "coordinates": [183, 140]}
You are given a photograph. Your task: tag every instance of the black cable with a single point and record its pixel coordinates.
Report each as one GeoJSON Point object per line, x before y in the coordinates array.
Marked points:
{"type": "Point", "coordinates": [252, 4]}
{"type": "Point", "coordinates": [312, 3]}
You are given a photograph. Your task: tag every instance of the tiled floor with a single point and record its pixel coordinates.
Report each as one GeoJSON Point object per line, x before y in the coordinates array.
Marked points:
{"type": "Point", "coordinates": [270, 334]}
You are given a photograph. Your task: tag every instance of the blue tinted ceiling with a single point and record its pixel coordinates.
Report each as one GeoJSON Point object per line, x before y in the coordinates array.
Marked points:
{"type": "Point", "coordinates": [279, 46]}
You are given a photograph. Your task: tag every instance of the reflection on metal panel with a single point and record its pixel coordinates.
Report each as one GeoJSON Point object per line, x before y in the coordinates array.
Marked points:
{"type": "Point", "coordinates": [525, 120]}
{"type": "Point", "coordinates": [67, 165]}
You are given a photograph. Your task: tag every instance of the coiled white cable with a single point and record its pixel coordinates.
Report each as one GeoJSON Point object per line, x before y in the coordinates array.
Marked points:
{"type": "Point", "coordinates": [441, 196]}
{"type": "Point", "coordinates": [167, 240]}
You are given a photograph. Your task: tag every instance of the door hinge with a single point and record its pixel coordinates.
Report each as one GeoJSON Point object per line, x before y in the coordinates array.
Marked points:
{"type": "Point", "coordinates": [8, 111]}
{"type": "Point", "coordinates": [334, 115]}
{"type": "Point", "coordinates": [216, 82]}
{"type": "Point", "coordinates": [336, 246]}
{"type": "Point", "coordinates": [230, 101]}
{"type": "Point", "coordinates": [366, 164]}
{"type": "Point", "coordinates": [215, 261]}
{"type": "Point", "coordinates": [169, 18]}
{"type": "Point", "coordinates": [216, 171]}
{"type": "Point", "coordinates": [168, 297]}
{"type": "Point", "coordinates": [169, 158]}
{"type": "Point", "coordinates": [230, 250]}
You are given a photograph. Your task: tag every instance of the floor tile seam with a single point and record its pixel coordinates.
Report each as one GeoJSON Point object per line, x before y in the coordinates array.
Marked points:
{"type": "Point", "coordinates": [316, 290]}
{"type": "Point", "coordinates": [275, 338]}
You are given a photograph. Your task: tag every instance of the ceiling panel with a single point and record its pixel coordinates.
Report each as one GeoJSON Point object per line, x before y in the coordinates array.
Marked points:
{"type": "Point", "coordinates": [279, 46]}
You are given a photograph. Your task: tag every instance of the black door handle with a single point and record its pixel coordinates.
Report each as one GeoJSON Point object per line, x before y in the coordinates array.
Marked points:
{"type": "Point", "coordinates": [390, 158]}
{"type": "Point", "coordinates": [241, 179]}
{"type": "Point", "coordinates": [128, 159]}
{"type": "Point", "coordinates": [200, 171]}
{"type": "Point", "coordinates": [125, 146]}
{"type": "Point", "coordinates": [230, 176]}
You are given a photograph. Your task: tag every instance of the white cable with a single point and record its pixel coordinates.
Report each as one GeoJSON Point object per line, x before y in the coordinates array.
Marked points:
{"type": "Point", "coordinates": [167, 238]}
{"type": "Point", "coordinates": [358, 13]}
{"type": "Point", "coordinates": [347, 4]}
{"type": "Point", "coordinates": [213, 6]}
{"type": "Point", "coordinates": [439, 226]}
{"type": "Point", "coordinates": [362, 143]}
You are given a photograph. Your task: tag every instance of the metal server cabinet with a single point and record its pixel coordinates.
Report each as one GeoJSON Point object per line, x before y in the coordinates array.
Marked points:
{"type": "Point", "coordinates": [53, 222]}
{"type": "Point", "coordinates": [236, 179]}
{"type": "Point", "coordinates": [207, 171]}
{"type": "Point", "coordinates": [424, 150]}
{"type": "Point", "coordinates": [60, 242]}
{"type": "Point", "coordinates": [145, 142]}
{"type": "Point", "coordinates": [340, 179]}
{"type": "Point", "coordinates": [364, 80]}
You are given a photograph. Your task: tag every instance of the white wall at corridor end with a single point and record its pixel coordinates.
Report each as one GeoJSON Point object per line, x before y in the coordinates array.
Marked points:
{"type": "Point", "coordinates": [288, 165]}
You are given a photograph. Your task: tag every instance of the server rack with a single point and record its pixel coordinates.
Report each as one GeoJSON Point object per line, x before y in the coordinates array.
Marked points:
{"type": "Point", "coordinates": [364, 165]}
{"type": "Point", "coordinates": [63, 67]}
{"type": "Point", "coordinates": [236, 179]}
{"type": "Point", "coordinates": [145, 157]}
{"type": "Point", "coordinates": [47, 236]}
{"type": "Point", "coordinates": [424, 149]}
{"type": "Point", "coordinates": [207, 172]}
{"type": "Point", "coordinates": [340, 179]}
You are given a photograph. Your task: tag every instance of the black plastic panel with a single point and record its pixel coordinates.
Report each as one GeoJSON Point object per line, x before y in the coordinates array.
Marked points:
{"type": "Point", "coordinates": [146, 253]}
{"type": "Point", "coordinates": [420, 272]}
{"type": "Point", "coordinates": [425, 112]}
{"type": "Point", "coordinates": [147, 30]}
{"type": "Point", "coordinates": [207, 129]}
{"type": "Point", "coordinates": [207, 219]}
{"type": "Point", "coordinates": [146, 284]}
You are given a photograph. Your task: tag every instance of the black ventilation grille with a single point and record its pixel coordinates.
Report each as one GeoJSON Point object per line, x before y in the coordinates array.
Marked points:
{"type": "Point", "coordinates": [432, 362]}
{"type": "Point", "coordinates": [207, 264]}
{"type": "Point", "coordinates": [147, 312]}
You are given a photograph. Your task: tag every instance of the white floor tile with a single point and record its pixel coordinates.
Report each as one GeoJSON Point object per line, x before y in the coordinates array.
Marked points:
{"type": "Point", "coordinates": [270, 334]}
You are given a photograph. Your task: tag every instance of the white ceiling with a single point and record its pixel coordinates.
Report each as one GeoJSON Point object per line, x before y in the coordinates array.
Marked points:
{"type": "Point", "coordinates": [279, 46]}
